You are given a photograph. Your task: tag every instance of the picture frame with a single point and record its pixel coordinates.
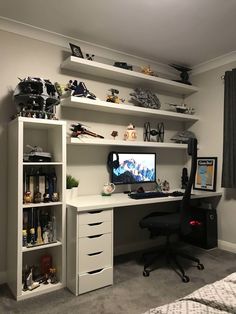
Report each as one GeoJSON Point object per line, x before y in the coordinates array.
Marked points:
{"type": "Point", "coordinates": [205, 178]}
{"type": "Point", "coordinates": [76, 51]}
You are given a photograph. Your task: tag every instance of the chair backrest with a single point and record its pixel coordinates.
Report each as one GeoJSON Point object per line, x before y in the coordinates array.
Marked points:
{"type": "Point", "coordinates": [185, 207]}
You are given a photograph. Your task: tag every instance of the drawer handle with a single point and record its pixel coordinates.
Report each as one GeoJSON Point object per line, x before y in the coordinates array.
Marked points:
{"type": "Point", "coordinates": [95, 212]}
{"type": "Point", "coordinates": [95, 271]}
{"type": "Point", "coordinates": [96, 253]}
{"type": "Point", "coordinates": [95, 236]}
{"type": "Point", "coordinates": [95, 224]}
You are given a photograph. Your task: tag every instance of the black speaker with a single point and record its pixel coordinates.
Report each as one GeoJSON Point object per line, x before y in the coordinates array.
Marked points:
{"type": "Point", "coordinates": [113, 163]}
{"type": "Point", "coordinates": [203, 228]}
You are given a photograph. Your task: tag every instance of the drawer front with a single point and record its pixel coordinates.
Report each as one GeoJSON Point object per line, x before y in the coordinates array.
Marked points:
{"type": "Point", "coordinates": [96, 260]}
{"type": "Point", "coordinates": [89, 282]}
{"type": "Point", "coordinates": [95, 216]}
{"type": "Point", "coordinates": [95, 243]}
{"type": "Point", "coordinates": [94, 229]}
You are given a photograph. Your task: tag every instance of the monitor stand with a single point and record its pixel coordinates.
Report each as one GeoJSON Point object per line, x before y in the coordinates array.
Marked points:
{"type": "Point", "coordinates": [128, 189]}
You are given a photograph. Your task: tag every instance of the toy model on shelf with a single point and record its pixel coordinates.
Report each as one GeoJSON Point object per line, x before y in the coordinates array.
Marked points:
{"type": "Point", "coordinates": [113, 97]}
{"type": "Point", "coordinates": [184, 73]}
{"type": "Point", "coordinates": [36, 98]}
{"type": "Point", "coordinates": [90, 56]}
{"type": "Point", "coordinates": [79, 129]}
{"type": "Point", "coordinates": [123, 65]}
{"type": "Point", "coordinates": [158, 133]}
{"type": "Point", "coordinates": [79, 89]}
{"type": "Point", "coordinates": [183, 137]}
{"type": "Point", "coordinates": [145, 98]}
{"type": "Point", "coordinates": [130, 133]}
{"type": "Point", "coordinates": [183, 108]}
{"type": "Point", "coordinates": [37, 154]}
{"type": "Point", "coordinates": [147, 70]}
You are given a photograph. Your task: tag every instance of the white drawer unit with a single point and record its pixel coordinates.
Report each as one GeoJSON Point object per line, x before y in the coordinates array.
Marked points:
{"type": "Point", "coordinates": [94, 280]}
{"type": "Point", "coordinates": [90, 249]}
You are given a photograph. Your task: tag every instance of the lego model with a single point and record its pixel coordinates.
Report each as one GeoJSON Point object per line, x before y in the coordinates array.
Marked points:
{"type": "Point", "coordinates": [113, 97]}
{"type": "Point", "coordinates": [79, 89]}
{"type": "Point", "coordinates": [145, 98]}
{"type": "Point", "coordinates": [158, 133]}
{"type": "Point", "coordinates": [123, 65]}
{"type": "Point", "coordinates": [36, 98]}
{"type": "Point", "coordinates": [79, 129]}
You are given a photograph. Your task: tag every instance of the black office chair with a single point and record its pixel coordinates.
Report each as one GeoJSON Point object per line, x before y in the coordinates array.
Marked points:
{"type": "Point", "coordinates": [167, 224]}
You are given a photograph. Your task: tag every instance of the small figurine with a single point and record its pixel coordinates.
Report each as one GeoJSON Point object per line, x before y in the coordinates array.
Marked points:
{"type": "Point", "coordinates": [159, 132]}
{"type": "Point", "coordinates": [147, 70]}
{"type": "Point", "coordinates": [130, 133]}
{"type": "Point", "coordinates": [114, 134]}
{"type": "Point", "coordinates": [113, 97]}
{"type": "Point", "coordinates": [52, 275]}
{"type": "Point", "coordinates": [165, 186]}
{"type": "Point", "coordinates": [183, 108]}
{"type": "Point", "coordinates": [79, 129]}
{"type": "Point", "coordinates": [123, 65]}
{"type": "Point", "coordinates": [89, 57]}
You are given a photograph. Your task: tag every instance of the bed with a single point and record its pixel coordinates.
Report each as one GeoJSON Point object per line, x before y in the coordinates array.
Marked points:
{"type": "Point", "coordinates": [216, 298]}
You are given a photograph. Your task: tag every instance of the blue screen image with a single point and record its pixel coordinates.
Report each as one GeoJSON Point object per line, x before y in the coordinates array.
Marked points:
{"type": "Point", "coordinates": [134, 168]}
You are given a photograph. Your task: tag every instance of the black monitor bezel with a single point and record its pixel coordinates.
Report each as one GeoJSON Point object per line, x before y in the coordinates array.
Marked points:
{"type": "Point", "coordinates": [134, 153]}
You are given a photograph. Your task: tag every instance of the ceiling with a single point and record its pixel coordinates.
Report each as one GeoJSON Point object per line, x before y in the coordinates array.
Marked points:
{"type": "Point", "coordinates": [187, 32]}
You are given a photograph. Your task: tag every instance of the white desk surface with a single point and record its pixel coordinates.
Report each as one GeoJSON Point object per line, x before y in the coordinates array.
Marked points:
{"type": "Point", "coordinates": [94, 202]}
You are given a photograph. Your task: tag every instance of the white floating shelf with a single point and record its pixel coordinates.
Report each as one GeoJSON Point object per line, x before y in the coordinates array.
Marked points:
{"type": "Point", "coordinates": [26, 163]}
{"type": "Point", "coordinates": [40, 247]}
{"type": "Point", "coordinates": [41, 204]}
{"type": "Point", "coordinates": [105, 142]}
{"type": "Point", "coordinates": [42, 289]}
{"type": "Point", "coordinates": [122, 75]}
{"type": "Point", "coordinates": [103, 106]}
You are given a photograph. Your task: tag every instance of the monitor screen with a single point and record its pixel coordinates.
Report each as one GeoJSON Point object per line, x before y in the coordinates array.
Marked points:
{"type": "Point", "coordinates": [133, 168]}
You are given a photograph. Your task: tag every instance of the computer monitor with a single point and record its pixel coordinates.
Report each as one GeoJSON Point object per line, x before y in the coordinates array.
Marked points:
{"type": "Point", "coordinates": [130, 168]}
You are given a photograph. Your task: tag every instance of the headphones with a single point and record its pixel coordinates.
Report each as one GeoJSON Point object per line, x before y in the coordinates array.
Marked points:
{"type": "Point", "coordinates": [113, 163]}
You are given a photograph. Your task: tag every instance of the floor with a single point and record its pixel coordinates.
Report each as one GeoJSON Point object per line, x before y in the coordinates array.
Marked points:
{"type": "Point", "coordinates": [131, 292]}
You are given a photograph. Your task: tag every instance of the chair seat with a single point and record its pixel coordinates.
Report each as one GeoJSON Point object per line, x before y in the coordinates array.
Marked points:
{"type": "Point", "coordinates": [157, 221]}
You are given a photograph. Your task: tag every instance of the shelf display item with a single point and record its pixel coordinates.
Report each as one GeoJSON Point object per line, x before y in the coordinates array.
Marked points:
{"type": "Point", "coordinates": [183, 73]}
{"type": "Point", "coordinates": [147, 70]}
{"type": "Point", "coordinates": [79, 89]}
{"type": "Point", "coordinates": [123, 65]}
{"type": "Point", "coordinates": [130, 133]}
{"type": "Point", "coordinates": [158, 133]}
{"type": "Point", "coordinates": [76, 51]}
{"type": "Point", "coordinates": [113, 96]}
{"type": "Point", "coordinates": [114, 134]}
{"type": "Point", "coordinates": [183, 137]}
{"type": "Point", "coordinates": [183, 108]}
{"type": "Point", "coordinates": [145, 98]}
{"type": "Point", "coordinates": [79, 129]}
{"type": "Point", "coordinates": [37, 154]}
{"type": "Point", "coordinates": [36, 98]}
{"type": "Point", "coordinates": [90, 56]}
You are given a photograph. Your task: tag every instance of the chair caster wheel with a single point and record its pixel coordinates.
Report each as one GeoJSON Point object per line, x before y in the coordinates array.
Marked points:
{"type": "Point", "coordinates": [185, 278]}
{"type": "Point", "coordinates": [200, 266]}
{"type": "Point", "coordinates": [146, 273]}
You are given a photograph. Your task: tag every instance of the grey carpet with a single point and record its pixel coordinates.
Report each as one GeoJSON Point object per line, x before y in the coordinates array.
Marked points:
{"type": "Point", "coordinates": [131, 292]}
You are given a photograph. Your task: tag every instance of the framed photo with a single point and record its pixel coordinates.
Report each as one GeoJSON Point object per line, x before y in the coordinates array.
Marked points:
{"type": "Point", "coordinates": [76, 51]}
{"type": "Point", "coordinates": [206, 174]}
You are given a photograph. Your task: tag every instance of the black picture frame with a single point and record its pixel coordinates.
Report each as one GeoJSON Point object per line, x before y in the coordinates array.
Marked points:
{"type": "Point", "coordinates": [76, 51]}
{"type": "Point", "coordinates": [206, 172]}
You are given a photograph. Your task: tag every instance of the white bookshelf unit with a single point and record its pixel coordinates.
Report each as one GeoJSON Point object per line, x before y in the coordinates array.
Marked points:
{"type": "Point", "coordinates": [51, 136]}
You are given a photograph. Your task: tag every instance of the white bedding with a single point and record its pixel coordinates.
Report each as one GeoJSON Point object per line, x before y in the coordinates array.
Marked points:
{"type": "Point", "coordinates": [216, 298]}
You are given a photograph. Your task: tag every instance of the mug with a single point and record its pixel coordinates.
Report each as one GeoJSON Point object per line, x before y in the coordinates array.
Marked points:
{"type": "Point", "coordinates": [108, 188]}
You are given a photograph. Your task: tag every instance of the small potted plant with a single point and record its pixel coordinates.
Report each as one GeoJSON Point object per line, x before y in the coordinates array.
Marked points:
{"type": "Point", "coordinates": [71, 186]}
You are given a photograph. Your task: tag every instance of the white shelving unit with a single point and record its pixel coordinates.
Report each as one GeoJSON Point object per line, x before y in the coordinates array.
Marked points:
{"type": "Point", "coordinates": [51, 136]}
{"type": "Point", "coordinates": [125, 109]}
{"type": "Point", "coordinates": [122, 75]}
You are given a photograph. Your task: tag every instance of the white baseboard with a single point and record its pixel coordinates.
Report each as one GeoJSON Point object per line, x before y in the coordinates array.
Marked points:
{"type": "Point", "coordinates": [3, 277]}
{"type": "Point", "coordinates": [227, 246]}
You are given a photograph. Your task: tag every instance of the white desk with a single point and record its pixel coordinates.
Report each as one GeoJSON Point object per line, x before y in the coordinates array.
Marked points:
{"type": "Point", "coordinates": [90, 236]}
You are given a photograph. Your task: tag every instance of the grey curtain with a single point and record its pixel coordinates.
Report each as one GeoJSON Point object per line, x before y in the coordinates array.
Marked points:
{"type": "Point", "coordinates": [229, 137]}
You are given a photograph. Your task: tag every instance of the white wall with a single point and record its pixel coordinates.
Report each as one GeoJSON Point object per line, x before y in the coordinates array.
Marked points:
{"type": "Point", "coordinates": [209, 104]}
{"type": "Point", "coordinates": [23, 56]}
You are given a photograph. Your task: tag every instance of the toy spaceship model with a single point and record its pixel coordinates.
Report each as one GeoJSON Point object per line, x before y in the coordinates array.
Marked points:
{"type": "Point", "coordinates": [145, 98]}
{"type": "Point", "coordinates": [79, 89]}
{"type": "Point", "coordinates": [36, 97]}
{"type": "Point", "coordinates": [79, 129]}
